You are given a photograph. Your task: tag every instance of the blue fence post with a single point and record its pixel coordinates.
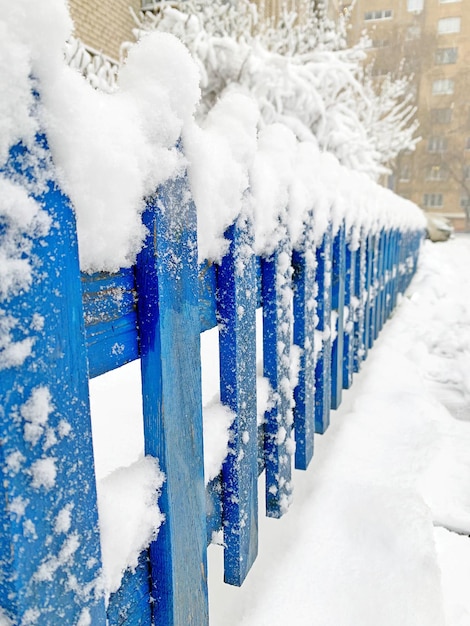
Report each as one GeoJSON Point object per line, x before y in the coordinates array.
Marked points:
{"type": "Point", "coordinates": [338, 272]}
{"type": "Point", "coordinates": [236, 308]}
{"type": "Point", "coordinates": [359, 313]}
{"type": "Point", "coordinates": [169, 325]}
{"type": "Point", "coordinates": [380, 317]}
{"type": "Point", "coordinates": [349, 304]}
{"type": "Point", "coordinates": [323, 364]}
{"type": "Point", "coordinates": [370, 295]}
{"type": "Point", "coordinates": [304, 263]}
{"type": "Point", "coordinates": [277, 340]}
{"type": "Point", "coordinates": [49, 538]}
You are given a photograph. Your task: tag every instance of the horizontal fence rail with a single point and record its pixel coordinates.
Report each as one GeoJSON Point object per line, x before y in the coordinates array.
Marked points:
{"type": "Point", "coordinates": [328, 299]}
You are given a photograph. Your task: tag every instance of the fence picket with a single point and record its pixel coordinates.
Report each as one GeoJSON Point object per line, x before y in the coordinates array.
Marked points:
{"type": "Point", "coordinates": [348, 341]}
{"type": "Point", "coordinates": [45, 430]}
{"type": "Point", "coordinates": [338, 272]}
{"type": "Point", "coordinates": [304, 263]}
{"type": "Point", "coordinates": [237, 300]}
{"type": "Point", "coordinates": [169, 321]}
{"type": "Point", "coordinates": [323, 364]}
{"type": "Point", "coordinates": [277, 340]}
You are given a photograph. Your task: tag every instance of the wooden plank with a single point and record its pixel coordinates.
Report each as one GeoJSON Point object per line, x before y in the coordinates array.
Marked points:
{"type": "Point", "coordinates": [380, 319]}
{"type": "Point", "coordinates": [323, 364]}
{"type": "Point", "coordinates": [130, 604]}
{"type": "Point", "coordinates": [337, 304]}
{"type": "Point", "coordinates": [169, 322]}
{"type": "Point", "coordinates": [277, 341]}
{"type": "Point", "coordinates": [369, 295]}
{"type": "Point", "coordinates": [236, 309]}
{"type": "Point", "coordinates": [49, 540]}
{"type": "Point", "coordinates": [348, 341]}
{"type": "Point", "coordinates": [359, 313]}
{"type": "Point", "coordinates": [110, 308]}
{"type": "Point", "coordinates": [304, 264]}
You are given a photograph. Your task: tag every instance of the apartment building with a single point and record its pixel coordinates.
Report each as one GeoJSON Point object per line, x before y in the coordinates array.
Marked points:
{"type": "Point", "coordinates": [430, 39]}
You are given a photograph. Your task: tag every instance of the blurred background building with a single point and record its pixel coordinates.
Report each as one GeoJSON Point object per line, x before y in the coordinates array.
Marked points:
{"type": "Point", "coordinates": [431, 40]}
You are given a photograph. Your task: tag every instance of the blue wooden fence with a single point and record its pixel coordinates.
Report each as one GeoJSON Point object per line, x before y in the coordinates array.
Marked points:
{"type": "Point", "coordinates": [163, 304]}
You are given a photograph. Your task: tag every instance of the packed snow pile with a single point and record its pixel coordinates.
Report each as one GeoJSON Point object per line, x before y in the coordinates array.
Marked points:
{"type": "Point", "coordinates": [378, 534]}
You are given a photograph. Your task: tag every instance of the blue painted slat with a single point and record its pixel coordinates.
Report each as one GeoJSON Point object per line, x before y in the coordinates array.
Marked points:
{"type": "Point", "coordinates": [237, 299]}
{"type": "Point", "coordinates": [359, 309]}
{"type": "Point", "coordinates": [380, 283]}
{"type": "Point", "coordinates": [323, 364]}
{"type": "Point", "coordinates": [169, 322]}
{"type": "Point", "coordinates": [130, 604]}
{"type": "Point", "coordinates": [394, 287]}
{"type": "Point", "coordinates": [110, 309]}
{"type": "Point", "coordinates": [304, 264]}
{"type": "Point", "coordinates": [337, 305]}
{"type": "Point", "coordinates": [348, 342]}
{"type": "Point", "coordinates": [369, 294]}
{"type": "Point", "coordinates": [48, 569]}
{"type": "Point", "coordinates": [277, 341]}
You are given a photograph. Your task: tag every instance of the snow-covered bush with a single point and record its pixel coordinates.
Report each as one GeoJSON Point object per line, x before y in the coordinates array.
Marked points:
{"type": "Point", "coordinates": [301, 73]}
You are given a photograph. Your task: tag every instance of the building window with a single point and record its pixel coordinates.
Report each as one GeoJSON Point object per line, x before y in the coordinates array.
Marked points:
{"type": "Point", "coordinates": [437, 144]}
{"type": "Point", "coordinates": [437, 172]}
{"type": "Point", "coordinates": [414, 6]}
{"type": "Point", "coordinates": [467, 143]}
{"type": "Point", "coordinates": [442, 86]}
{"type": "Point", "coordinates": [448, 25]}
{"type": "Point", "coordinates": [441, 116]}
{"type": "Point", "coordinates": [433, 200]}
{"type": "Point", "coordinates": [445, 56]}
{"type": "Point", "coordinates": [466, 172]}
{"type": "Point", "coordinates": [382, 14]}
{"type": "Point", "coordinates": [464, 201]}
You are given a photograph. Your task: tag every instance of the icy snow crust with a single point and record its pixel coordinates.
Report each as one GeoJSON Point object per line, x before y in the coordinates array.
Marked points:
{"type": "Point", "coordinates": [112, 150]}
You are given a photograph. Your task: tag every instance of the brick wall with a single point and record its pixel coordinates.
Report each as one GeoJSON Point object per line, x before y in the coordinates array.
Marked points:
{"type": "Point", "coordinates": [104, 24]}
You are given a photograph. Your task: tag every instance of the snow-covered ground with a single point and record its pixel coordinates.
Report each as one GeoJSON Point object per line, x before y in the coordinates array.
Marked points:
{"type": "Point", "coordinates": [377, 533]}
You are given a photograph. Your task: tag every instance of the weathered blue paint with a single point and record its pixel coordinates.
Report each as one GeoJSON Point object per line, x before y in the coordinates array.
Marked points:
{"type": "Point", "coordinates": [169, 322]}
{"type": "Point", "coordinates": [368, 294]}
{"type": "Point", "coordinates": [359, 310]}
{"type": "Point", "coordinates": [304, 263]}
{"type": "Point", "coordinates": [338, 272]}
{"type": "Point", "coordinates": [130, 605]}
{"type": "Point", "coordinates": [36, 579]}
{"type": "Point", "coordinates": [323, 364]}
{"type": "Point", "coordinates": [110, 308]}
{"type": "Point", "coordinates": [277, 340]}
{"type": "Point", "coordinates": [348, 341]}
{"type": "Point", "coordinates": [237, 300]}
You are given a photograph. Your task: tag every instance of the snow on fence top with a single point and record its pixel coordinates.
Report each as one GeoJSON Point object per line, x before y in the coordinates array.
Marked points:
{"type": "Point", "coordinates": [112, 150]}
